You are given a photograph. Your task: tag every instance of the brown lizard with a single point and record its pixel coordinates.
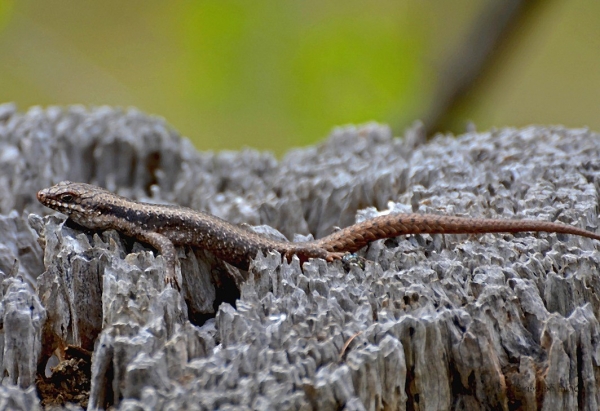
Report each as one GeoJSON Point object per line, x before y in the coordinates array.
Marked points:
{"type": "Point", "coordinates": [166, 226]}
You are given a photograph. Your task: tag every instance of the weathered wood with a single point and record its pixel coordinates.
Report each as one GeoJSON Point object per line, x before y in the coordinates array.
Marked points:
{"type": "Point", "coordinates": [438, 322]}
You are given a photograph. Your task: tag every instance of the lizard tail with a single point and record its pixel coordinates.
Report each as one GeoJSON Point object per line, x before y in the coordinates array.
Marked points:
{"type": "Point", "coordinates": [355, 237]}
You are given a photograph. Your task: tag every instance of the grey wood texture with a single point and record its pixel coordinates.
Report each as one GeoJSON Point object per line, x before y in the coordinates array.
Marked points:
{"type": "Point", "coordinates": [431, 322]}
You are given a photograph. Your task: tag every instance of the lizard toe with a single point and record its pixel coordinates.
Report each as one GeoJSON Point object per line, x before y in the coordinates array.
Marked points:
{"type": "Point", "coordinates": [332, 256]}
{"type": "Point", "coordinates": [172, 281]}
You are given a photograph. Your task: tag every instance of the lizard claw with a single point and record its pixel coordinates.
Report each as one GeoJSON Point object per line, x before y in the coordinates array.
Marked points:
{"type": "Point", "coordinates": [171, 280]}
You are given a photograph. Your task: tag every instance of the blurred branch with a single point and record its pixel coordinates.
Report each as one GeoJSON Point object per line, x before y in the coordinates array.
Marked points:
{"type": "Point", "coordinates": [496, 29]}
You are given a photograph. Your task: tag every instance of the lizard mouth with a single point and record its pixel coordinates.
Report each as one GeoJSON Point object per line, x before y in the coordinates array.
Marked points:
{"type": "Point", "coordinates": [46, 199]}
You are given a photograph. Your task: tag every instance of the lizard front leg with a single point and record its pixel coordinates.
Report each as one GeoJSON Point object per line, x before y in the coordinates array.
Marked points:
{"type": "Point", "coordinates": [166, 248]}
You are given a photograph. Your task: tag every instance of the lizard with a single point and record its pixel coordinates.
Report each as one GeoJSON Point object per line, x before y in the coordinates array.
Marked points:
{"type": "Point", "coordinates": [166, 226]}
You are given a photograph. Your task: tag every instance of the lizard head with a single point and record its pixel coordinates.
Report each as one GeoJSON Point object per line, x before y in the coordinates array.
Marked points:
{"type": "Point", "coordinates": [76, 200]}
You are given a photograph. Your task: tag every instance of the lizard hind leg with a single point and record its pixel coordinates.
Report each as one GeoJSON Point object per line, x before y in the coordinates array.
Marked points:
{"type": "Point", "coordinates": [305, 253]}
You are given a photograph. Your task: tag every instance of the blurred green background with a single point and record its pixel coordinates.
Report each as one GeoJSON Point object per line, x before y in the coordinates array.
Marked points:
{"type": "Point", "coordinates": [273, 75]}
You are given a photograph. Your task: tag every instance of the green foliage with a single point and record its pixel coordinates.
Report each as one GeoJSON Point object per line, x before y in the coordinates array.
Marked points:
{"type": "Point", "coordinates": [265, 73]}
{"type": "Point", "coordinates": [5, 11]}
{"type": "Point", "coordinates": [273, 75]}
{"type": "Point", "coordinates": [287, 72]}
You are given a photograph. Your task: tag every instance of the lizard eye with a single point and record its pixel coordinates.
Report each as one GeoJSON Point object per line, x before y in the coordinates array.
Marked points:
{"type": "Point", "coordinates": [66, 198]}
